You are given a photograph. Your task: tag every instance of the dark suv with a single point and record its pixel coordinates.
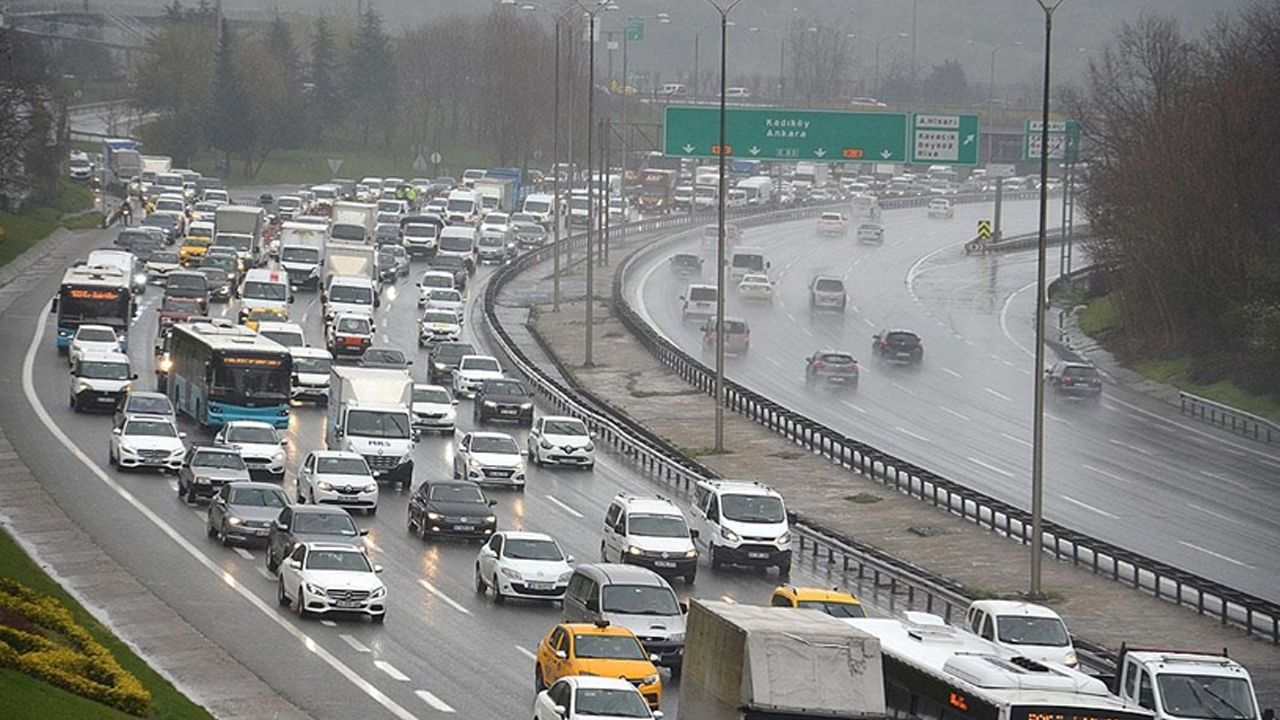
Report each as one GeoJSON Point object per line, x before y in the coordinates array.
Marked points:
{"type": "Point", "coordinates": [902, 346]}
{"type": "Point", "coordinates": [310, 523]}
{"type": "Point", "coordinates": [503, 400]}
{"type": "Point", "coordinates": [1074, 379]}
{"type": "Point", "coordinates": [831, 367]}
{"type": "Point", "coordinates": [444, 358]}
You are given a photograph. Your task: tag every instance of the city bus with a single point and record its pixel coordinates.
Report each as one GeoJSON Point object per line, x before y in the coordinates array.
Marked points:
{"type": "Point", "coordinates": [933, 670]}
{"type": "Point", "coordinates": [90, 295]}
{"type": "Point", "coordinates": [216, 372]}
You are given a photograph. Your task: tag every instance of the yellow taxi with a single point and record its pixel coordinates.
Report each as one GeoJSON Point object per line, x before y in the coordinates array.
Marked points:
{"type": "Point", "coordinates": [251, 316]}
{"type": "Point", "coordinates": [193, 249]}
{"type": "Point", "coordinates": [600, 650]}
{"type": "Point", "coordinates": [835, 603]}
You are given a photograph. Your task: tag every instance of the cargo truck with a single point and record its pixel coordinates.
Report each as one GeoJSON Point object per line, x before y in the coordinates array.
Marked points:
{"type": "Point", "coordinates": [811, 175]}
{"type": "Point", "coordinates": [751, 662]}
{"type": "Point", "coordinates": [1179, 684]}
{"type": "Point", "coordinates": [350, 259]}
{"type": "Point", "coordinates": [497, 194]}
{"type": "Point", "coordinates": [656, 189]}
{"type": "Point", "coordinates": [353, 222]}
{"type": "Point", "coordinates": [369, 414]}
{"type": "Point", "coordinates": [121, 162]}
{"type": "Point", "coordinates": [302, 252]}
{"type": "Point", "coordinates": [240, 226]}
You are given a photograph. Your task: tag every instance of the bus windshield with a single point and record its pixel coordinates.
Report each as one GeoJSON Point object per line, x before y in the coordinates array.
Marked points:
{"type": "Point", "coordinates": [97, 306]}
{"type": "Point", "coordinates": [245, 380]}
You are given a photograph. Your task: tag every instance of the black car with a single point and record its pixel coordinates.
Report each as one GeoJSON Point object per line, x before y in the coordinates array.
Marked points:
{"type": "Point", "coordinates": [503, 400]}
{"type": "Point", "coordinates": [388, 268]}
{"type": "Point", "coordinates": [244, 512]}
{"type": "Point", "coordinates": [188, 284]}
{"type": "Point", "coordinates": [385, 357]}
{"type": "Point", "coordinates": [310, 523]}
{"type": "Point", "coordinates": [221, 285]}
{"type": "Point", "coordinates": [444, 358]}
{"type": "Point", "coordinates": [902, 346]}
{"type": "Point", "coordinates": [454, 264]}
{"type": "Point", "coordinates": [832, 368]}
{"type": "Point", "coordinates": [686, 265]}
{"type": "Point", "coordinates": [206, 469]}
{"type": "Point", "coordinates": [451, 508]}
{"type": "Point", "coordinates": [1074, 379]}
{"type": "Point", "coordinates": [529, 234]}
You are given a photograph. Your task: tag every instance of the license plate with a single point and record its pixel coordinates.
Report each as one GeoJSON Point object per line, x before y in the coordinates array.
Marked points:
{"type": "Point", "coordinates": [664, 563]}
{"type": "Point", "coordinates": [464, 528]}
{"type": "Point", "coordinates": [757, 555]}
{"type": "Point", "coordinates": [263, 532]}
{"type": "Point", "coordinates": [540, 586]}
{"type": "Point", "coordinates": [509, 411]}
{"type": "Point", "coordinates": [346, 604]}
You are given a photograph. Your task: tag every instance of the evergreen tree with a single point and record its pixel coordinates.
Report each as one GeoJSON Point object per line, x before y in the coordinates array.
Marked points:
{"type": "Point", "coordinates": [325, 101]}
{"type": "Point", "coordinates": [227, 127]}
{"type": "Point", "coordinates": [371, 83]}
{"type": "Point", "coordinates": [289, 130]}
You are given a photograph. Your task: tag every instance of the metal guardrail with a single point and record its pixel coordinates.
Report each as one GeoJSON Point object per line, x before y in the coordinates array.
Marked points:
{"type": "Point", "coordinates": [1229, 418]}
{"type": "Point", "coordinates": [1257, 616]}
{"type": "Point", "coordinates": [903, 584]}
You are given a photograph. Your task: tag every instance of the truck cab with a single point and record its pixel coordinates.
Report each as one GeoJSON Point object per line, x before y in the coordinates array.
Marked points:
{"type": "Point", "coordinates": [1178, 685]}
{"type": "Point", "coordinates": [370, 414]}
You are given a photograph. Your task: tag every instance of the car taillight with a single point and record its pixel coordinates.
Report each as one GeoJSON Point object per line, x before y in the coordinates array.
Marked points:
{"type": "Point", "coordinates": [1096, 381]}
{"type": "Point", "coordinates": [819, 365]}
{"type": "Point", "coordinates": [1067, 379]}
{"type": "Point", "coordinates": [884, 343]}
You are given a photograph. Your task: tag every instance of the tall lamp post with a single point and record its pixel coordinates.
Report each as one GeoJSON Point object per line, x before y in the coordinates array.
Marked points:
{"type": "Point", "coordinates": [590, 10]}
{"type": "Point", "coordinates": [880, 42]}
{"type": "Point", "coordinates": [1037, 451]}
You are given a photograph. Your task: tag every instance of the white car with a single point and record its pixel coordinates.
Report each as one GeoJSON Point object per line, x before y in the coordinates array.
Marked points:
{"type": "Point", "coordinates": [320, 578]}
{"type": "Point", "coordinates": [259, 445]}
{"type": "Point", "coordinates": [490, 458]}
{"type": "Point", "coordinates": [93, 339]}
{"type": "Point", "coordinates": [523, 565]}
{"type": "Point", "coordinates": [147, 441]}
{"type": "Point", "coordinates": [335, 477]}
{"type": "Point", "coordinates": [756, 287]}
{"type": "Point", "coordinates": [472, 371]}
{"type": "Point", "coordinates": [496, 224]}
{"type": "Point", "coordinates": [434, 280]}
{"type": "Point", "coordinates": [561, 441]}
{"type": "Point", "coordinates": [871, 232]}
{"type": "Point", "coordinates": [446, 299]}
{"type": "Point", "coordinates": [941, 207]}
{"type": "Point", "coordinates": [438, 325]}
{"type": "Point", "coordinates": [434, 409]}
{"type": "Point", "coordinates": [575, 697]}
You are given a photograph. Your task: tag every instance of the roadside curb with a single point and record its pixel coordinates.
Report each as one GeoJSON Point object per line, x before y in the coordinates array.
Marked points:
{"type": "Point", "coordinates": [16, 267]}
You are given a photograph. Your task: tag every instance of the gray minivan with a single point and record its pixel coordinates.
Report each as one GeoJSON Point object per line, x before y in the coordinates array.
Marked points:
{"type": "Point", "coordinates": [634, 597]}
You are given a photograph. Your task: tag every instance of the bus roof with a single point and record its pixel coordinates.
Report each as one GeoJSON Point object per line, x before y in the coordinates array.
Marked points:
{"type": "Point", "coordinates": [225, 336]}
{"type": "Point", "coordinates": [96, 275]}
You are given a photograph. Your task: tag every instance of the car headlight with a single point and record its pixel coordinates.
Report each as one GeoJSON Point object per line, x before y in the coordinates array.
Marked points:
{"type": "Point", "coordinates": [729, 535]}
{"type": "Point", "coordinates": [371, 487]}
{"type": "Point", "coordinates": [474, 464]}
{"type": "Point", "coordinates": [545, 444]}
{"type": "Point", "coordinates": [691, 553]}
{"type": "Point", "coordinates": [676, 637]}
{"type": "Point", "coordinates": [490, 519]}
{"type": "Point", "coordinates": [278, 457]}
{"type": "Point", "coordinates": [649, 679]}
{"type": "Point", "coordinates": [200, 480]}
{"type": "Point", "coordinates": [520, 466]}
{"type": "Point", "coordinates": [83, 387]}
{"type": "Point", "coordinates": [324, 485]}
{"type": "Point", "coordinates": [526, 406]}
{"type": "Point", "coordinates": [565, 576]}
{"type": "Point", "coordinates": [511, 573]}
{"type": "Point", "coordinates": [140, 278]}
{"type": "Point", "coordinates": [177, 452]}
{"type": "Point", "coordinates": [379, 592]}
{"type": "Point", "coordinates": [126, 450]}
{"type": "Point", "coordinates": [1070, 660]}
{"type": "Point", "coordinates": [314, 589]}
{"type": "Point", "coordinates": [234, 521]}
{"type": "Point", "coordinates": [125, 388]}
{"type": "Point", "coordinates": [784, 538]}
{"type": "Point", "coordinates": [633, 550]}
{"type": "Point", "coordinates": [589, 447]}
{"type": "Point", "coordinates": [434, 516]}
{"type": "Point", "coordinates": [490, 404]}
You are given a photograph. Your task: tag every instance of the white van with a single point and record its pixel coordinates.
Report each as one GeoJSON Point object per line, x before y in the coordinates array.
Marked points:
{"type": "Point", "coordinates": [350, 295]}
{"type": "Point", "coordinates": [742, 523]}
{"type": "Point", "coordinates": [542, 206]}
{"type": "Point", "coordinates": [457, 240]}
{"type": "Point", "coordinates": [263, 288]}
{"type": "Point", "coordinates": [1022, 628]}
{"type": "Point", "coordinates": [747, 261]}
{"type": "Point", "coordinates": [128, 264]}
{"type": "Point", "coordinates": [699, 302]}
{"type": "Point", "coordinates": [462, 208]}
{"type": "Point", "coordinates": [650, 532]}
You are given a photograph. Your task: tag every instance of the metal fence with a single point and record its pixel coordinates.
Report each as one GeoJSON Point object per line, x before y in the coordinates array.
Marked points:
{"type": "Point", "coordinates": [1229, 418]}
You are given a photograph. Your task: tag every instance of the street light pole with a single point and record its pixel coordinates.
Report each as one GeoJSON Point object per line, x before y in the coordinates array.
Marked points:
{"type": "Point", "coordinates": [588, 359]}
{"type": "Point", "coordinates": [1037, 451]}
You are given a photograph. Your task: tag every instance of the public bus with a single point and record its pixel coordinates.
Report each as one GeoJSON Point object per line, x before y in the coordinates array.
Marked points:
{"type": "Point", "coordinates": [935, 671]}
{"type": "Point", "coordinates": [90, 295]}
{"type": "Point", "coordinates": [216, 372]}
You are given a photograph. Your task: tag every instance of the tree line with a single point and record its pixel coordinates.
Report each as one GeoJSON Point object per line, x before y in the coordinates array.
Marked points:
{"type": "Point", "coordinates": [1182, 192]}
{"type": "Point", "coordinates": [33, 120]}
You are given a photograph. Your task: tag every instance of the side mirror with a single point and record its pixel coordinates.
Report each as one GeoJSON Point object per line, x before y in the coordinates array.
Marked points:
{"type": "Point", "coordinates": [657, 715]}
{"type": "Point", "coordinates": [570, 559]}
{"type": "Point", "coordinates": [364, 531]}
{"type": "Point", "coordinates": [693, 534]}
{"type": "Point", "coordinates": [291, 298]}
{"type": "Point", "coordinates": [455, 402]}
{"type": "Point", "coordinates": [492, 503]}
{"type": "Point", "coordinates": [560, 709]}
{"type": "Point", "coordinates": [654, 659]}
{"type": "Point", "coordinates": [281, 525]}
{"type": "Point", "coordinates": [134, 376]}
{"type": "Point", "coordinates": [562, 655]}
{"type": "Point", "coordinates": [295, 564]}
{"type": "Point", "coordinates": [684, 606]}
{"type": "Point", "coordinates": [284, 442]}
{"type": "Point", "coordinates": [377, 568]}
{"type": "Point", "coordinates": [377, 301]}
{"type": "Point", "coordinates": [182, 436]}
{"type": "Point", "coordinates": [116, 431]}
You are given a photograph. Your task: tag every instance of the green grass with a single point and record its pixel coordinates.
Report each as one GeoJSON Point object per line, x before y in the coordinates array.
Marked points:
{"type": "Point", "coordinates": [24, 697]}
{"type": "Point", "coordinates": [1101, 319]}
{"type": "Point", "coordinates": [34, 224]}
{"type": "Point", "coordinates": [310, 165]}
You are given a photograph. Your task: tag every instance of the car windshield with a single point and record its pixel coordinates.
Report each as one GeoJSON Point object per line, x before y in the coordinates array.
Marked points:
{"type": "Point", "coordinates": [311, 365]}
{"type": "Point", "coordinates": [422, 230]}
{"type": "Point", "coordinates": [447, 262]}
{"type": "Point", "coordinates": [445, 295]}
{"type": "Point", "coordinates": [266, 291]}
{"type": "Point", "coordinates": [96, 335]}
{"type": "Point", "coordinates": [163, 257]}
{"type": "Point", "coordinates": [102, 370]}
{"type": "Point", "coordinates": [686, 260]}
{"type": "Point", "coordinates": [343, 560]}
{"type": "Point", "coordinates": [384, 355]}
{"type": "Point", "coordinates": [221, 460]}
{"type": "Point", "coordinates": [216, 275]}
{"type": "Point", "coordinates": [437, 281]}
{"type": "Point", "coordinates": [503, 387]}
{"type": "Point", "coordinates": [616, 647]}
{"type": "Point", "coordinates": [461, 206]}
{"type": "Point", "coordinates": [702, 295]}
{"type": "Point", "coordinates": [1206, 696]}
{"type": "Point", "coordinates": [604, 702]}
{"type": "Point", "coordinates": [753, 262]}
{"type": "Point", "coordinates": [495, 219]}
{"type": "Point", "coordinates": [457, 494]}
{"type": "Point", "coordinates": [532, 549]}
{"type": "Point", "coordinates": [1079, 371]}
{"type": "Point", "coordinates": [180, 305]}
{"type": "Point", "coordinates": [831, 216]}
{"type": "Point", "coordinates": [752, 508]}
{"type": "Point", "coordinates": [431, 395]}
{"type": "Point", "coordinates": [564, 427]}
{"type": "Point", "coordinates": [1023, 630]}
{"type": "Point", "coordinates": [640, 600]}
{"type": "Point", "coordinates": [315, 523]}
{"type": "Point", "coordinates": [252, 435]}
{"type": "Point", "coordinates": [148, 405]}
{"type": "Point", "coordinates": [239, 242]}
{"type": "Point", "coordinates": [351, 294]}
{"type": "Point", "coordinates": [495, 445]}
{"type": "Point", "coordinates": [376, 423]}
{"type": "Point", "coordinates": [483, 364]}
{"type": "Point", "coordinates": [287, 338]}
{"type": "Point", "coordinates": [900, 338]}
{"type": "Point", "coordinates": [834, 609]}
{"type": "Point", "coordinates": [537, 206]}
{"type": "Point", "coordinates": [300, 255]}
{"type": "Point", "coordinates": [187, 282]}
{"type": "Point", "coordinates": [829, 286]}
{"type": "Point", "coordinates": [836, 359]}
{"type": "Point", "coordinates": [451, 352]}
{"type": "Point", "coordinates": [670, 526]}
{"type": "Point", "coordinates": [341, 465]}
{"type": "Point", "coordinates": [150, 428]}
{"type": "Point", "coordinates": [353, 326]}
{"type": "Point", "coordinates": [219, 262]}
{"type": "Point", "coordinates": [440, 316]}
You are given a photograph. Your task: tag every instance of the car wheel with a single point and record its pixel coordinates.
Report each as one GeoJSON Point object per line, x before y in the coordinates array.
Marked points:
{"type": "Point", "coordinates": [380, 619]}
{"type": "Point", "coordinates": [604, 557]}
{"type": "Point", "coordinates": [191, 495]}
{"type": "Point", "coordinates": [498, 597]}
{"type": "Point", "coordinates": [538, 683]}
{"type": "Point", "coordinates": [784, 572]}
{"type": "Point", "coordinates": [208, 529]}
{"type": "Point", "coordinates": [715, 559]}
{"type": "Point", "coordinates": [299, 496]}
{"type": "Point", "coordinates": [408, 523]}
{"type": "Point", "coordinates": [371, 510]}
{"type": "Point", "coordinates": [281, 598]}
{"type": "Point", "coordinates": [481, 587]}
{"type": "Point", "coordinates": [301, 606]}
{"type": "Point", "coordinates": [273, 565]}
{"type": "Point", "coordinates": [222, 534]}
{"type": "Point", "coordinates": [456, 475]}
{"type": "Point", "coordinates": [690, 578]}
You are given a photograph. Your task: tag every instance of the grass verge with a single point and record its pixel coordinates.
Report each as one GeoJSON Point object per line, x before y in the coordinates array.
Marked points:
{"type": "Point", "coordinates": [26, 697]}
{"type": "Point", "coordinates": [34, 224]}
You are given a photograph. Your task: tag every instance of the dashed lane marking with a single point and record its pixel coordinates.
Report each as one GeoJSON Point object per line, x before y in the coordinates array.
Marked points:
{"type": "Point", "coordinates": [447, 600]}
{"type": "Point", "coordinates": [1000, 395]}
{"type": "Point", "coordinates": [1020, 441]}
{"type": "Point", "coordinates": [1100, 471]}
{"type": "Point", "coordinates": [390, 670]}
{"type": "Point", "coordinates": [526, 652]}
{"type": "Point", "coordinates": [951, 372]}
{"type": "Point", "coordinates": [354, 643]}
{"type": "Point", "coordinates": [555, 501]}
{"type": "Point", "coordinates": [990, 467]}
{"type": "Point", "coordinates": [907, 432]}
{"type": "Point", "coordinates": [243, 553]}
{"type": "Point", "coordinates": [1088, 507]}
{"type": "Point", "coordinates": [962, 416]}
{"type": "Point", "coordinates": [434, 701]}
{"type": "Point", "coordinates": [1220, 556]}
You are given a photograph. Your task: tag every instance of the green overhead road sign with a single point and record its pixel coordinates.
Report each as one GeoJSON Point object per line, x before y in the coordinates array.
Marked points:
{"type": "Point", "coordinates": [635, 29]}
{"type": "Point", "coordinates": [944, 139]}
{"type": "Point", "coordinates": [780, 134]}
{"type": "Point", "coordinates": [1064, 140]}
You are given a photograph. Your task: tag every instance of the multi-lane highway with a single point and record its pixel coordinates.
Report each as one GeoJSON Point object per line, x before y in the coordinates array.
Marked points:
{"type": "Point", "coordinates": [443, 650]}
{"type": "Point", "coordinates": [1128, 471]}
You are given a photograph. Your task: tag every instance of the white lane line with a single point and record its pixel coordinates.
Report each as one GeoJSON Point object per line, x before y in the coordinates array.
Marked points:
{"type": "Point", "coordinates": [1220, 556]}
{"type": "Point", "coordinates": [990, 467]}
{"type": "Point", "coordinates": [328, 623]}
{"type": "Point", "coordinates": [202, 515]}
{"type": "Point", "coordinates": [1220, 516]}
{"type": "Point", "coordinates": [1004, 318]}
{"type": "Point", "coordinates": [265, 573]}
{"type": "Point", "coordinates": [526, 652]}
{"type": "Point", "coordinates": [1020, 441]}
{"type": "Point", "coordinates": [804, 330]}
{"type": "Point", "coordinates": [434, 701]}
{"type": "Point", "coordinates": [390, 670]}
{"type": "Point", "coordinates": [1089, 507]}
{"type": "Point", "coordinates": [905, 431]}
{"type": "Point", "coordinates": [773, 361]}
{"type": "Point", "coordinates": [244, 553]}
{"type": "Point", "coordinates": [1223, 444]}
{"type": "Point", "coordinates": [1100, 471]}
{"type": "Point", "coordinates": [904, 389]}
{"type": "Point", "coordinates": [1058, 419]}
{"type": "Point", "coordinates": [29, 390]}
{"type": "Point", "coordinates": [555, 501]}
{"type": "Point", "coordinates": [868, 322]}
{"type": "Point", "coordinates": [1127, 446]}
{"type": "Point", "coordinates": [173, 485]}
{"type": "Point", "coordinates": [372, 545]}
{"type": "Point", "coordinates": [962, 416]}
{"type": "Point", "coordinates": [790, 317]}
{"type": "Point", "coordinates": [1227, 480]}
{"type": "Point", "coordinates": [447, 600]}
{"type": "Point", "coordinates": [848, 404]}
{"type": "Point", "coordinates": [354, 643]}
{"type": "Point", "coordinates": [1000, 395]}
{"type": "Point", "coordinates": [951, 372]}
{"type": "Point", "coordinates": [728, 599]}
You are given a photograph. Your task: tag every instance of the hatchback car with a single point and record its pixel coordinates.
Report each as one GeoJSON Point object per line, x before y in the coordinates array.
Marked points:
{"type": "Point", "coordinates": [1074, 379]}
{"type": "Point", "coordinates": [444, 358]}
{"type": "Point", "coordinates": [244, 512]}
{"type": "Point", "coordinates": [259, 444]}
{"type": "Point", "coordinates": [831, 368]}
{"type": "Point", "coordinates": [899, 346]}
{"type": "Point", "coordinates": [206, 469]}
{"type": "Point", "coordinates": [686, 265]}
{"type": "Point", "coordinates": [310, 523]}
{"type": "Point", "coordinates": [490, 458]}
{"type": "Point", "coordinates": [349, 335]}
{"type": "Point", "coordinates": [827, 293]}
{"type": "Point", "coordinates": [451, 508]}
{"type": "Point", "coordinates": [756, 287]}
{"type": "Point", "coordinates": [503, 399]}
{"type": "Point", "coordinates": [561, 441]}
{"type": "Point", "coordinates": [737, 336]}
{"type": "Point", "coordinates": [525, 565]}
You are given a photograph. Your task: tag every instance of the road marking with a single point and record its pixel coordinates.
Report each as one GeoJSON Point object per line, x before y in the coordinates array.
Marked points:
{"type": "Point", "coordinates": [992, 468]}
{"type": "Point", "coordinates": [391, 670]}
{"type": "Point", "coordinates": [173, 485]}
{"type": "Point", "coordinates": [1127, 446]}
{"type": "Point", "coordinates": [355, 644]}
{"type": "Point", "coordinates": [728, 599]}
{"type": "Point", "coordinates": [526, 652]}
{"type": "Point", "coordinates": [1100, 471]}
{"type": "Point", "coordinates": [951, 372]}
{"type": "Point", "coordinates": [1055, 417]}
{"type": "Point", "coordinates": [29, 390]}
{"type": "Point", "coordinates": [564, 507]}
{"type": "Point", "coordinates": [372, 545]}
{"type": "Point", "coordinates": [1220, 516]}
{"type": "Point", "coordinates": [1220, 556]}
{"type": "Point", "coordinates": [434, 701]}
{"type": "Point", "coordinates": [243, 553]}
{"type": "Point", "coordinates": [1018, 440]}
{"type": "Point", "coordinates": [806, 331]}
{"type": "Point", "coordinates": [265, 573]}
{"type": "Point", "coordinates": [773, 361]}
{"type": "Point", "coordinates": [904, 389]}
{"type": "Point", "coordinates": [790, 317]}
{"type": "Point", "coordinates": [447, 600]}
{"type": "Point", "coordinates": [905, 431]}
{"type": "Point", "coordinates": [1004, 317]}
{"type": "Point", "coordinates": [201, 515]}
{"type": "Point", "coordinates": [846, 403]}
{"type": "Point", "coordinates": [1227, 480]}
{"type": "Point", "coordinates": [1088, 507]}
{"type": "Point", "coordinates": [328, 623]}
{"type": "Point", "coordinates": [1000, 395]}
{"type": "Point", "coordinates": [962, 416]}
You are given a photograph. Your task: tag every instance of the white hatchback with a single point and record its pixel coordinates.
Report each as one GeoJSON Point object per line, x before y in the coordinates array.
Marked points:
{"type": "Point", "coordinates": [259, 445]}
{"type": "Point", "coordinates": [90, 339]}
{"type": "Point", "coordinates": [523, 565]}
{"type": "Point", "coordinates": [561, 441]}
